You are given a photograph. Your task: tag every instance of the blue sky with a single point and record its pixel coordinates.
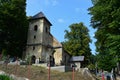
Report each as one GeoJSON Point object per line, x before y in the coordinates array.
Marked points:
{"type": "Point", "coordinates": [62, 13]}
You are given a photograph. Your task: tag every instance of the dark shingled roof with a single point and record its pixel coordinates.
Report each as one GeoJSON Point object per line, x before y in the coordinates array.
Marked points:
{"type": "Point", "coordinates": [77, 58]}
{"type": "Point", "coordinates": [39, 16]}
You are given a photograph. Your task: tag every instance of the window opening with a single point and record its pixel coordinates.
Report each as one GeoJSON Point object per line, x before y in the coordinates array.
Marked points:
{"type": "Point", "coordinates": [33, 47]}
{"type": "Point", "coordinates": [35, 28]}
{"type": "Point", "coordinates": [34, 37]}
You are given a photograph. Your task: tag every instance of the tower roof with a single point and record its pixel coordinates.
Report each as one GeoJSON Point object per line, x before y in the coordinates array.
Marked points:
{"type": "Point", "coordinates": [77, 58]}
{"type": "Point", "coordinates": [39, 16]}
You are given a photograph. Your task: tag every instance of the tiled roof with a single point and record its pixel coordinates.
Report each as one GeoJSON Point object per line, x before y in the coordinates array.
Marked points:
{"type": "Point", "coordinates": [39, 16]}
{"type": "Point", "coordinates": [77, 58]}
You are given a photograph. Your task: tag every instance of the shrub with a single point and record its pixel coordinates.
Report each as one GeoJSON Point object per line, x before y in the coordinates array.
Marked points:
{"type": "Point", "coordinates": [5, 77]}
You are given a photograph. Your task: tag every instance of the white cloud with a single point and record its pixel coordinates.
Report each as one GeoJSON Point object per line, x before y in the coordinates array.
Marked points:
{"type": "Point", "coordinates": [61, 20]}
{"type": "Point", "coordinates": [93, 35]}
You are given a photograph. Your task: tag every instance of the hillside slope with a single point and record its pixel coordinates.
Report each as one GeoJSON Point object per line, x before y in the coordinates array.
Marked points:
{"type": "Point", "coordinates": [40, 73]}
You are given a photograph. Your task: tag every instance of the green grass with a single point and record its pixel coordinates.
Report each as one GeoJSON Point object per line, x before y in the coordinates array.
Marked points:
{"type": "Point", "coordinates": [5, 77]}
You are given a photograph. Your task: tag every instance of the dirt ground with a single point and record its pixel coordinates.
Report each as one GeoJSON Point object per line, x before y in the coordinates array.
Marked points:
{"type": "Point", "coordinates": [40, 73]}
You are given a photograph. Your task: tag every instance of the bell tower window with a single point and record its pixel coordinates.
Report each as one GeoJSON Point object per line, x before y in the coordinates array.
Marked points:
{"type": "Point", "coordinates": [34, 37]}
{"type": "Point", "coordinates": [33, 47]}
{"type": "Point", "coordinates": [35, 28]}
{"type": "Point", "coordinates": [46, 30]}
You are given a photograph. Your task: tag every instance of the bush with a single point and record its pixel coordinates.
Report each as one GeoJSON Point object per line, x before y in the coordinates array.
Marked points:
{"type": "Point", "coordinates": [5, 77]}
{"type": "Point", "coordinates": [91, 66]}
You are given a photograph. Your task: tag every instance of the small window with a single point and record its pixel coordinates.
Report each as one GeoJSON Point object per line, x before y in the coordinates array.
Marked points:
{"type": "Point", "coordinates": [34, 37]}
{"type": "Point", "coordinates": [46, 30]}
{"type": "Point", "coordinates": [33, 47]}
{"type": "Point", "coordinates": [35, 28]}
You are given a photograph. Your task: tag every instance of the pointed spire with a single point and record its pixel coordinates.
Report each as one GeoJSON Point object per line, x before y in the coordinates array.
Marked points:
{"type": "Point", "coordinates": [39, 16]}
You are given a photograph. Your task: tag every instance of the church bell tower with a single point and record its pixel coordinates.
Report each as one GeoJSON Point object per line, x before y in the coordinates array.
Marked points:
{"type": "Point", "coordinates": [38, 37]}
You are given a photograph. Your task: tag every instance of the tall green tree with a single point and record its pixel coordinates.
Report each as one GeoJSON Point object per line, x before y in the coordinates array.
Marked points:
{"type": "Point", "coordinates": [77, 41]}
{"type": "Point", "coordinates": [105, 18]}
{"type": "Point", "coordinates": [13, 26]}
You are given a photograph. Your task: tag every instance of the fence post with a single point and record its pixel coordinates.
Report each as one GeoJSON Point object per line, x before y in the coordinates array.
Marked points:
{"type": "Point", "coordinates": [49, 71]}
{"type": "Point", "coordinates": [16, 66]}
{"type": "Point", "coordinates": [73, 72]}
{"type": "Point", "coordinates": [28, 67]}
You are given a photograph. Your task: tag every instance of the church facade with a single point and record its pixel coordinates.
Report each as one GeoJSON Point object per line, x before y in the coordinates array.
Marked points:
{"type": "Point", "coordinates": [42, 46]}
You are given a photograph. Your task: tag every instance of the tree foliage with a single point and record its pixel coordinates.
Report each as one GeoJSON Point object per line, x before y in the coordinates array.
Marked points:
{"type": "Point", "coordinates": [77, 41]}
{"type": "Point", "coordinates": [13, 26]}
{"type": "Point", "coordinates": [105, 18]}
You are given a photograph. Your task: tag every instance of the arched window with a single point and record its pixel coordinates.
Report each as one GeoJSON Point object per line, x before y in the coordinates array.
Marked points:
{"type": "Point", "coordinates": [33, 58]}
{"type": "Point", "coordinates": [35, 28]}
{"type": "Point", "coordinates": [46, 29]}
{"type": "Point", "coordinates": [34, 36]}
{"type": "Point", "coordinates": [33, 47]}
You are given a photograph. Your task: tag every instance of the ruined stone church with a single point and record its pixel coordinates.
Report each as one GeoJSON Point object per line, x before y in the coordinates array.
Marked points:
{"type": "Point", "coordinates": [42, 46]}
